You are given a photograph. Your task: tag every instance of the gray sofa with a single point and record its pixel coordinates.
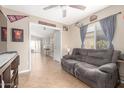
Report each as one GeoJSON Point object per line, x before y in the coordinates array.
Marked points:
{"type": "Point", "coordinates": [97, 68]}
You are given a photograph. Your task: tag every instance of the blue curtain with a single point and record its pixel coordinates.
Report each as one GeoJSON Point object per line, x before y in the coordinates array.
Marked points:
{"type": "Point", "coordinates": [108, 25]}
{"type": "Point", "coordinates": [83, 31]}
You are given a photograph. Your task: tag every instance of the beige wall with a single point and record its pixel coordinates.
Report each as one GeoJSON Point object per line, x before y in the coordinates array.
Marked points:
{"type": "Point", "coordinates": [65, 41]}
{"type": "Point", "coordinates": [71, 39]}
{"type": "Point", "coordinates": [3, 23]}
{"type": "Point", "coordinates": [118, 37]}
{"type": "Point", "coordinates": [22, 47]}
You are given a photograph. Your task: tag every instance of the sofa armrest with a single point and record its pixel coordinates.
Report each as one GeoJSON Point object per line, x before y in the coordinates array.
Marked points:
{"type": "Point", "coordinates": [109, 68]}
{"type": "Point", "coordinates": [68, 57]}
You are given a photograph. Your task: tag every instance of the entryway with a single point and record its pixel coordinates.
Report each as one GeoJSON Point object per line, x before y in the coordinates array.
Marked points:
{"type": "Point", "coordinates": [46, 41]}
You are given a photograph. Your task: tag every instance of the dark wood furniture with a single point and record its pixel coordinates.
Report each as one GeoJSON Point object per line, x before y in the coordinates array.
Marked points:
{"type": "Point", "coordinates": [9, 62]}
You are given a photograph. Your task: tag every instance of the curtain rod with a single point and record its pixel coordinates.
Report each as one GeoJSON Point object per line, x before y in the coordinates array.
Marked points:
{"type": "Point", "coordinates": [100, 19]}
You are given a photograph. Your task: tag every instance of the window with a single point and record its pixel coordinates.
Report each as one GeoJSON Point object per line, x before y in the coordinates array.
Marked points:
{"type": "Point", "coordinates": [95, 37]}
{"type": "Point", "coordinates": [90, 37]}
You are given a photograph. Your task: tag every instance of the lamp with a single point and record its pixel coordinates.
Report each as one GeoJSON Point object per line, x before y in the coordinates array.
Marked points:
{"type": "Point", "coordinates": [68, 50]}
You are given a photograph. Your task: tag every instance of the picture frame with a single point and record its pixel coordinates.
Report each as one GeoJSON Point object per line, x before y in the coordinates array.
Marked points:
{"type": "Point", "coordinates": [17, 35]}
{"type": "Point", "coordinates": [13, 18]}
{"type": "Point", "coordinates": [65, 28]}
{"type": "Point", "coordinates": [93, 18]}
{"type": "Point", "coordinates": [3, 33]}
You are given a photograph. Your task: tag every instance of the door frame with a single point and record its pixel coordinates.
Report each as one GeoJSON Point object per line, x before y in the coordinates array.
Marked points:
{"type": "Point", "coordinates": [55, 28]}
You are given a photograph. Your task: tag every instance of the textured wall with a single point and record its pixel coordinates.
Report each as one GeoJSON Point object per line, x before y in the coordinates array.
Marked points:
{"type": "Point", "coordinates": [3, 23]}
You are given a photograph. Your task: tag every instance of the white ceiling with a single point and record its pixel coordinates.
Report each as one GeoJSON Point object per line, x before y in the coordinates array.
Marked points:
{"type": "Point", "coordinates": [40, 31]}
{"type": "Point", "coordinates": [55, 14]}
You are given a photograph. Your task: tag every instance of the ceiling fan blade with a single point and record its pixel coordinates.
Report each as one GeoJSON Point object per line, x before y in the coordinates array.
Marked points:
{"type": "Point", "coordinates": [64, 12]}
{"type": "Point", "coordinates": [81, 7]}
{"type": "Point", "coordinates": [49, 7]}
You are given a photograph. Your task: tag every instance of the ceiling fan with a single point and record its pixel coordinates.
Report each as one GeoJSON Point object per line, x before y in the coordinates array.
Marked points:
{"type": "Point", "coordinates": [63, 7]}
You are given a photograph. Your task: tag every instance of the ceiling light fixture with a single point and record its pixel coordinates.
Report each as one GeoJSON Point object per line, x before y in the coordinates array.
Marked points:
{"type": "Point", "coordinates": [63, 7]}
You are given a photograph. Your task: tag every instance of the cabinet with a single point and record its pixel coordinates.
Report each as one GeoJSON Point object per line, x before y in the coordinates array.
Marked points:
{"type": "Point", "coordinates": [9, 70]}
{"type": "Point", "coordinates": [14, 72]}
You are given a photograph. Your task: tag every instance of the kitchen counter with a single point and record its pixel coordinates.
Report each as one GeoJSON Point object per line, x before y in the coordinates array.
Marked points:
{"type": "Point", "coordinates": [9, 62]}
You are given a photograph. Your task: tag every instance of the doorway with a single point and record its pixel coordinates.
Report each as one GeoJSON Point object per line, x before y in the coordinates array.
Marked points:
{"type": "Point", "coordinates": [57, 46]}
{"type": "Point", "coordinates": [46, 41]}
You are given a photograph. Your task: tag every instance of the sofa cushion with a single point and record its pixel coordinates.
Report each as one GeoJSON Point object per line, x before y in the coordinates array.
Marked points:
{"type": "Point", "coordinates": [68, 64]}
{"type": "Point", "coordinates": [86, 70]}
{"type": "Point", "coordinates": [79, 58]}
{"type": "Point", "coordinates": [78, 51]}
{"type": "Point", "coordinates": [79, 54]}
{"type": "Point", "coordinates": [83, 52]}
{"type": "Point", "coordinates": [108, 68]}
{"type": "Point", "coordinates": [99, 57]}
{"type": "Point", "coordinates": [75, 51]}
{"type": "Point", "coordinates": [83, 67]}
{"type": "Point", "coordinates": [102, 53]}
{"type": "Point", "coordinates": [67, 57]}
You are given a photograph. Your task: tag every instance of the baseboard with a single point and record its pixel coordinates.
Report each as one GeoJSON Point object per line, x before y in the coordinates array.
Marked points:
{"type": "Point", "coordinates": [24, 71]}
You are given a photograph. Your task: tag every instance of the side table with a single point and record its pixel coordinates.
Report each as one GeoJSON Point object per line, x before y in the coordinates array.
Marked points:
{"type": "Point", "coordinates": [120, 64]}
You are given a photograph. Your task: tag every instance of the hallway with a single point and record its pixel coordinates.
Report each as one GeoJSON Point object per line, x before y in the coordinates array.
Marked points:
{"type": "Point", "coordinates": [47, 73]}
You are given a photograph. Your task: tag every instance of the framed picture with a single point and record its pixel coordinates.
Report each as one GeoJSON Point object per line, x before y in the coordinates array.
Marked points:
{"type": "Point", "coordinates": [17, 35]}
{"type": "Point", "coordinates": [93, 17]}
{"type": "Point", "coordinates": [11, 18]}
{"type": "Point", "coordinates": [3, 33]}
{"type": "Point", "coordinates": [65, 28]}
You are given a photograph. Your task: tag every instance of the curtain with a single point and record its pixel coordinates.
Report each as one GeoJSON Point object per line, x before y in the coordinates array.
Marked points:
{"type": "Point", "coordinates": [83, 31]}
{"type": "Point", "coordinates": [108, 25]}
